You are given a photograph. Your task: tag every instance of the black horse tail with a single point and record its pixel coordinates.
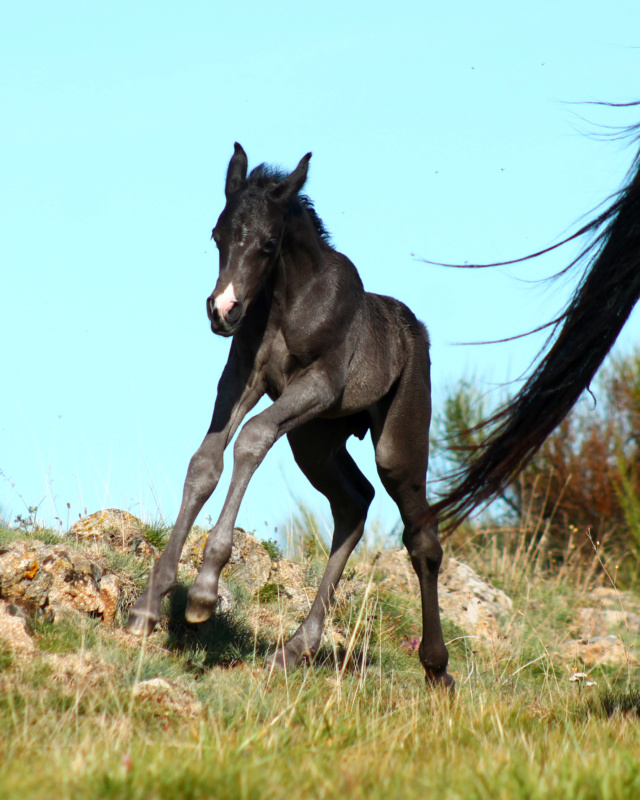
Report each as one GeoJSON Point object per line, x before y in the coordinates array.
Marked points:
{"type": "Point", "coordinates": [586, 331]}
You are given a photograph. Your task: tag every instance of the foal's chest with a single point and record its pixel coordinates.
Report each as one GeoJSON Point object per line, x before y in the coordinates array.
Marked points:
{"type": "Point", "coordinates": [279, 366]}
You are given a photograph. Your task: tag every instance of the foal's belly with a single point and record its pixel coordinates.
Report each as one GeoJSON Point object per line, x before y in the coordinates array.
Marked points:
{"type": "Point", "coordinates": [371, 376]}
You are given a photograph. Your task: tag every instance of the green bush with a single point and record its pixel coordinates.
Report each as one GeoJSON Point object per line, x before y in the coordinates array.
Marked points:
{"type": "Point", "coordinates": [582, 489]}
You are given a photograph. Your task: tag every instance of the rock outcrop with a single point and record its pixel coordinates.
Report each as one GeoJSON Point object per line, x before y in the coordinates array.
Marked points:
{"type": "Point", "coordinates": [275, 594]}
{"type": "Point", "coordinates": [605, 630]}
{"type": "Point", "coordinates": [52, 578]}
{"type": "Point", "coordinates": [115, 528]}
{"type": "Point", "coordinates": [13, 629]}
{"type": "Point", "coordinates": [470, 602]}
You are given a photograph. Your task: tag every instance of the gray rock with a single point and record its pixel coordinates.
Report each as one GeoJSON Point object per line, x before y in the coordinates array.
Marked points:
{"type": "Point", "coordinates": [250, 563]}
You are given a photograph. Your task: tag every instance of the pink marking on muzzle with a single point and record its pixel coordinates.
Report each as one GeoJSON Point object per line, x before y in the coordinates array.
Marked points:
{"type": "Point", "coordinates": [226, 301]}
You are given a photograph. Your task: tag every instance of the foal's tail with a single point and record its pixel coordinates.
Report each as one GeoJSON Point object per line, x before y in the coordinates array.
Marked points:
{"type": "Point", "coordinates": [590, 324]}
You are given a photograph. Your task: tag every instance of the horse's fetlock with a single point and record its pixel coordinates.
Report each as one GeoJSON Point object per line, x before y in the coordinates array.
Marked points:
{"type": "Point", "coordinates": [433, 657]}
{"type": "Point", "coordinates": [221, 551]}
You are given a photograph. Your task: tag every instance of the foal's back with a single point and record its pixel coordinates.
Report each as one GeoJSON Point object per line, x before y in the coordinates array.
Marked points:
{"type": "Point", "coordinates": [387, 337]}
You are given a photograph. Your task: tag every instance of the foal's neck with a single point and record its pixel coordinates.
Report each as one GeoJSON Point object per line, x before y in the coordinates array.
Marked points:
{"type": "Point", "coordinates": [302, 257]}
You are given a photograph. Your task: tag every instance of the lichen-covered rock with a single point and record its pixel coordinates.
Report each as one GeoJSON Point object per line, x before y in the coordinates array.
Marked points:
{"type": "Point", "coordinates": [13, 629]}
{"type": "Point", "coordinates": [113, 526]}
{"type": "Point", "coordinates": [609, 611]}
{"type": "Point", "coordinates": [472, 603]}
{"type": "Point", "coordinates": [608, 597]}
{"type": "Point", "coordinates": [226, 600]}
{"type": "Point", "coordinates": [397, 572]}
{"type": "Point", "coordinates": [592, 622]}
{"type": "Point", "coordinates": [110, 595]}
{"type": "Point", "coordinates": [54, 577]}
{"type": "Point", "coordinates": [602, 629]}
{"type": "Point", "coordinates": [194, 548]}
{"type": "Point", "coordinates": [607, 650]}
{"type": "Point", "coordinates": [250, 563]}
{"type": "Point", "coordinates": [249, 566]}
{"type": "Point", "coordinates": [291, 585]}
{"type": "Point", "coordinates": [465, 598]}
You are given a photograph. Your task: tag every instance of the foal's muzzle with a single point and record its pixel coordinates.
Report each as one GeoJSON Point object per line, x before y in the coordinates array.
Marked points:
{"type": "Point", "coordinates": [224, 324]}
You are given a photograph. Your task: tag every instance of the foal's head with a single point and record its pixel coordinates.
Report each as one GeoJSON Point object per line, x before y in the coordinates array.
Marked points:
{"type": "Point", "coordinates": [248, 235]}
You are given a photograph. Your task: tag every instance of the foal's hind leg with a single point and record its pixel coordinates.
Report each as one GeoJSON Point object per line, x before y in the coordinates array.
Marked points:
{"type": "Point", "coordinates": [402, 442]}
{"type": "Point", "coordinates": [320, 452]}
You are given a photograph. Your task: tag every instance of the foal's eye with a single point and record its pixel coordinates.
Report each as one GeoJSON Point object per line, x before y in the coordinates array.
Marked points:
{"type": "Point", "coordinates": [270, 246]}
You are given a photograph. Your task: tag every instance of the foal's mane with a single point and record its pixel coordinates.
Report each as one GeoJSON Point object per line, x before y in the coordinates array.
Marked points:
{"type": "Point", "coordinates": [264, 176]}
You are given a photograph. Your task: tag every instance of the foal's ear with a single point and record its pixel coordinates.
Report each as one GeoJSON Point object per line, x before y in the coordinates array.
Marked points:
{"type": "Point", "coordinates": [291, 185]}
{"type": "Point", "coordinates": [237, 171]}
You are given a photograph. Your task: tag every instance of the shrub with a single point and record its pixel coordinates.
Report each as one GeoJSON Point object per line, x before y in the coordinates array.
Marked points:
{"type": "Point", "coordinates": [583, 485]}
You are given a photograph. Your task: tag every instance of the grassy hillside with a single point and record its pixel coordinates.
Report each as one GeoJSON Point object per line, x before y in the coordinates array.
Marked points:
{"type": "Point", "coordinates": [191, 713]}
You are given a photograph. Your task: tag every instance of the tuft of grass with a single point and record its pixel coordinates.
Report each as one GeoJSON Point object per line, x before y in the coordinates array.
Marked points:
{"type": "Point", "coordinates": [307, 537]}
{"type": "Point", "coordinates": [132, 573]}
{"type": "Point", "coordinates": [157, 533]}
{"type": "Point", "coordinates": [68, 635]}
{"type": "Point", "coordinates": [620, 701]}
{"type": "Point", "coordinates": [273, 548]}
{"type": "Point", "coordinates": [269, 593]}
{"type": "Point", "coordinates": [9, 535]}
{"type": "Point", "coordinates": [6, 656]}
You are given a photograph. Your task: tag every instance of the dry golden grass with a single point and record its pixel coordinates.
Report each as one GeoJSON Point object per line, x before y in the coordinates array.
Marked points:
{"type": "Point", "coordinates": [358, 723]}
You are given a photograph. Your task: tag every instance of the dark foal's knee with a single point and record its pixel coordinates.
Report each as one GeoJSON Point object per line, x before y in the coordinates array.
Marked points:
{"type": "Point", "coordinates": [253, 442]}
{"type": "Point", "coordinates": [203, 475]}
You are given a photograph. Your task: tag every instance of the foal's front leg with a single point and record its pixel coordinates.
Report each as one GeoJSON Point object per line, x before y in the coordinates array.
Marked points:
{"type": "Point", "coordinates": [202, 477]}
{"type": "Point", "coordinates": [237, 394]}
{"type": "Point", "coordinates": [303, 401]}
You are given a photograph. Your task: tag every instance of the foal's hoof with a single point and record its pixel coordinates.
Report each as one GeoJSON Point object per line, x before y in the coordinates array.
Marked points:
{"type": "Point", "coordinates": [440, 680]}
{"type": "Point", "coordinates": [199, 607]}
{"type": "Point", "coordinates": [140, 623]}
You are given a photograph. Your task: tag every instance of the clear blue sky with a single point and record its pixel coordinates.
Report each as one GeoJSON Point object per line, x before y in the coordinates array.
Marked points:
{"type": "Point", "coordinates": [438, 129]}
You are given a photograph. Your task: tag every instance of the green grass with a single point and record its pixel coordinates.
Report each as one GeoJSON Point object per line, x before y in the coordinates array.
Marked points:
{"type": "Point", "coordinates": [273, 548]}
{"type": "Point", "coordinates": [69, 635]}
{"type": "Point", "coordinates": [8, 535]}
{"type": "Point", "coordinates": [316, 733]}
{"type": "Point", "coordinates": [358, 723]}
{"type": "Point", "coordinates": [269, 593]}
{"type": "Point", "coordinates": [157, 533]}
